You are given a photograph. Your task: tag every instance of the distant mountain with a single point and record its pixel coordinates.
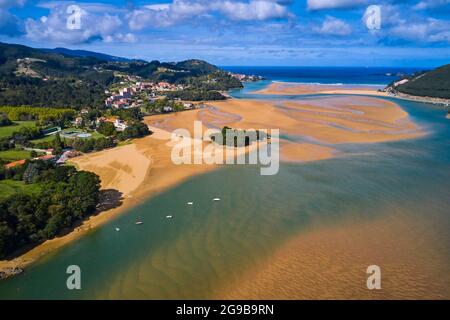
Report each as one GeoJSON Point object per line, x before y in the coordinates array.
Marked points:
{"type": "Point", "coordinates": [435, 83]}
{"type": "Point", "coordinates": [84, 53]}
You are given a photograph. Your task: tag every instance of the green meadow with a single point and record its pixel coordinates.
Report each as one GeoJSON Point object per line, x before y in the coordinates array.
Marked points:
{"type": "Point", "coordinates": [11, 187]}
{"type": "Point", "coordinates": [9, 130]}
{"type": "Point", "coordinates": [14, 155]}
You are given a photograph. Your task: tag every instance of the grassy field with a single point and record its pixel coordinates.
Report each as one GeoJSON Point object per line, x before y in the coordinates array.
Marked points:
{"type": "Point", "coordinates": [9, 130]}
{"type": "Point", "coordinates": [14, 155]}
{"type": "Point", "coordinates": [95, 135]}
{"type": "Point", "coordinates": [45, 139]}
{"type": "Point", "coordinates": [11, 187]}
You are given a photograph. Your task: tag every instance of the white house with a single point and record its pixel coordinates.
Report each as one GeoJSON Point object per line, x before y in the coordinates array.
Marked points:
{"type": "Point", "coordinates": [120, 125]}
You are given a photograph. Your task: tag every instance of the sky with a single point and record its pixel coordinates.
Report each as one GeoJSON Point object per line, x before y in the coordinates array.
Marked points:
{"type": "Point", "coordinates": [412, 33]}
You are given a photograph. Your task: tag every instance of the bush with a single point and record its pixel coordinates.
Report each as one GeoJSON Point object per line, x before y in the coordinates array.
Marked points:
{"type": "Point", "coordinates": [90, 145]}
{"type": "Point", "coordinates": [134, 130]}
{"type": "Point", "coordinates": [107, 129]}
{"type": "Point", "coordinates": [4, 120]}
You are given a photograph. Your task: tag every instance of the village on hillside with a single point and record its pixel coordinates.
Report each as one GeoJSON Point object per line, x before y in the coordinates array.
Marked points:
{"type": "Point", "coordinates": [90, 130]}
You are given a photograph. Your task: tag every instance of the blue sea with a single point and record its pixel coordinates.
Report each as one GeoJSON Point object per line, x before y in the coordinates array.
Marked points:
{"type": "Point", "coordinates": [379, 76]}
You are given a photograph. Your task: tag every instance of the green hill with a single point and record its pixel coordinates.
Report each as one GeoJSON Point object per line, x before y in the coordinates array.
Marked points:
{"type": "Point", "coordinates": [434, 84]}
{"type": "Point", "coordinates": [33, 77]}
{"type": "Point", "coordinates": [69, 78]}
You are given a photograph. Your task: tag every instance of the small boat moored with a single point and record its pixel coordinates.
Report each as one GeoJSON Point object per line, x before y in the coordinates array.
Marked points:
{"type": "Point", "coordinates": [139, 223]}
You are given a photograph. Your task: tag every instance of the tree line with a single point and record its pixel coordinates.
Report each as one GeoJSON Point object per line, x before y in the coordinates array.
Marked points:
{"type": "Point", "coordinates": [44, 115]}
{"type": "Point", "coordinates": [66, 196]}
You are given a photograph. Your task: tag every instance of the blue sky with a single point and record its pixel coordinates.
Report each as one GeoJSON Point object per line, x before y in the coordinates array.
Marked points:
{"type": "Point", "coordinates": [240, 32]}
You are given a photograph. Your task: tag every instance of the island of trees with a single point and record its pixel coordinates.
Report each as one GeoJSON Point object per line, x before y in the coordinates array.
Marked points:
{"type": "Point", "coordinates": [239, 138]}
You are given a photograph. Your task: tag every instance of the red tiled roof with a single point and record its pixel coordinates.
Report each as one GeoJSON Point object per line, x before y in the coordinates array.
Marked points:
{"type": "Point", "coordinates": [15, 164]}
{"type": "Point", "coordinates": [47, 157]}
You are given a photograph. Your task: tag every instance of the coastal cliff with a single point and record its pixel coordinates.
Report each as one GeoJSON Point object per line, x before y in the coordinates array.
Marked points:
{"type": "Point", "coordinates": [428, 86]}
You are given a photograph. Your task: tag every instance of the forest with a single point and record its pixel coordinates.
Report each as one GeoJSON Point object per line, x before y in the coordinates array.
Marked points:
{"type": "Point", "coordinates": [66, 196]}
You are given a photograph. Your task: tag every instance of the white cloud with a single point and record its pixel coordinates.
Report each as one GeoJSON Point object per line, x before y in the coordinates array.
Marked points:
{"type": "Point", "coordinates": [429, 31]}
{"type": "Point", "coordinates": [334, 4]}
{"type": "Point", "coordinates": [163, 15]}
{"type": "Point", "coordinates": [158, 7]}
{"type": "Point", "coordinates": [254, 10]}
{"type": "Point", "coordinates": [431, 4]}
{"type": "Point", "coordinates": [94, 26]}
{"type": "Point", "coordinates": [90, 7]}
{"type": "Point", "coordinates": [333, 27]}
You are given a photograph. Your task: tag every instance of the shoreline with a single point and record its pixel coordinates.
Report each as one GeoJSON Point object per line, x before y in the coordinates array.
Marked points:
{"type": "Point", "coordinates": [286, 88]}
{"type": "Point", "coordinates": [130, 199]}
{"type": "Point", "coordinates": [143, 169]}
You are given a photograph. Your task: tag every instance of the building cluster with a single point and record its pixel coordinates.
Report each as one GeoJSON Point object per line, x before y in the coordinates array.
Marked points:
{"type": "Point", "coordinates": [126, 97]}
{"type": "Point", "coordinates": [245, 77]}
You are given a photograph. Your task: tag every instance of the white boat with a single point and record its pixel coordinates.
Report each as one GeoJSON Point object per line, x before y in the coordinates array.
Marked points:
{"type": "Point", "coordinates": [190, 203]}
{"type": "Point", "coordinates": [139, 223]}
{"type": "Point", "coordinates": [117, 229]}
{"type": "Point", "coordinates": [216, 199]}
{"type": "Point", "coordinates": [169, 217]}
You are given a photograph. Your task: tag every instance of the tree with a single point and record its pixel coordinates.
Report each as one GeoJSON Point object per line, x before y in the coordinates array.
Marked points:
{"type": "Point", "coordinates": [31, 173]}
{"type": "Point", "coordinates": [107, 129]}
{"type": "Point", "coordinates": [89, 145]}
{"type": "Point", "coordinates": [63, 173]}
{"type": "Point", "coordinates": [134, 130]}
{"type": "Point", "coordinates": [103, 143]}
{"type": "Point", "coordinates": [58, 145]}
{"type": "Point", "coordinates": [84, 193]}
{"type": "Point", "coordinates": [56, 222]}
{"type": "Point", "coordinates": [6, 239]}
{"type": "Point", "coordinates": [4, 120]}
{"type": "Point", "coordinates": [66, 196]}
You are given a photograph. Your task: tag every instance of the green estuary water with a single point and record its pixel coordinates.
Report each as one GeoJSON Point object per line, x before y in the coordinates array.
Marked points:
{"type": "Point", "coordinates": [210, 245]}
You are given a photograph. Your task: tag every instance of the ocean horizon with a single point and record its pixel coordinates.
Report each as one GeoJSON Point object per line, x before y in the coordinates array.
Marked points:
{"type": "Point", "coordinates": [364, 76]}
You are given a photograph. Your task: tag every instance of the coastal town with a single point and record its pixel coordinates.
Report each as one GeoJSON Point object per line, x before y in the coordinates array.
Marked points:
{"type": "Point", "coordinates": [132, 92]}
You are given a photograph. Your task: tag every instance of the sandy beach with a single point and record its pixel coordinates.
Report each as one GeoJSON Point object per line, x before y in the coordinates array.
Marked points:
{"type": "Point", "coordinates": [144, 168]}
{"type": "Point", "coordinates": [285, 88]}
